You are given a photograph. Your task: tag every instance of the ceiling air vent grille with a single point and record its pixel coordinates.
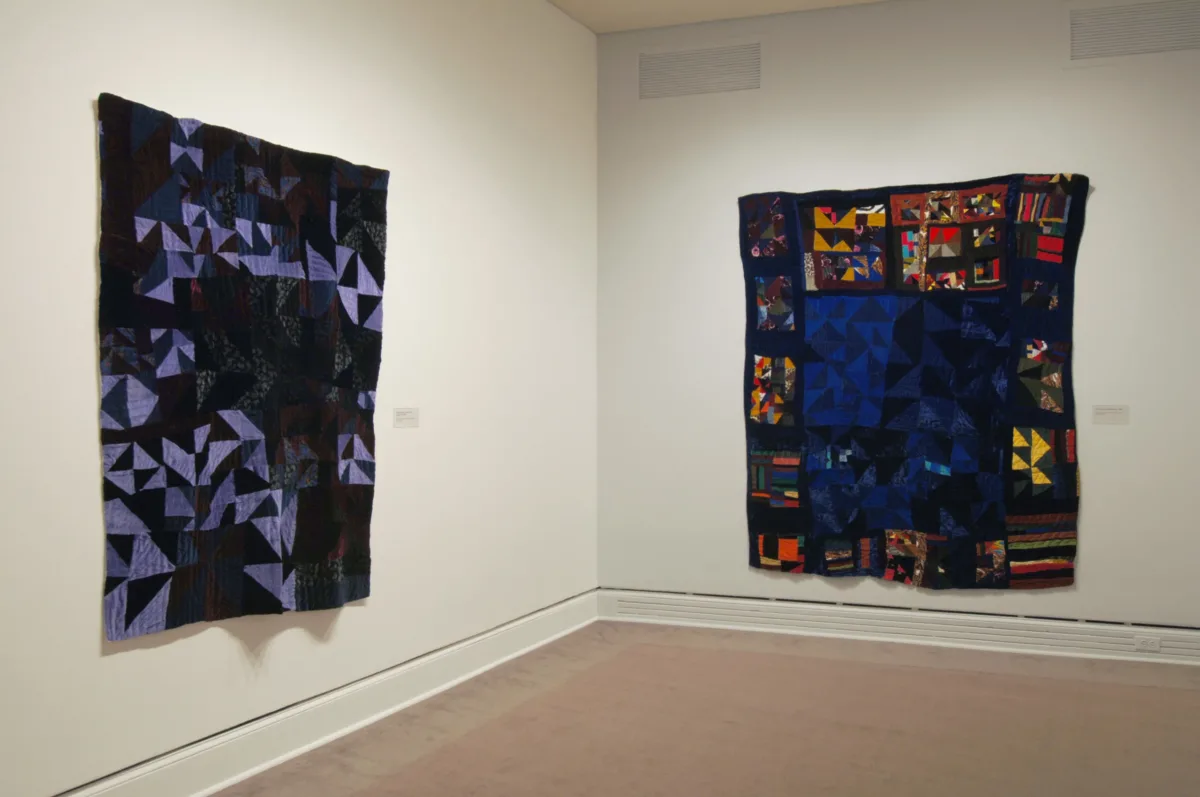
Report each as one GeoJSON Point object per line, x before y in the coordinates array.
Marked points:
{"type": "Point", "coordinates": [735, 68]}
{"type": "Point", "coordinates": [1135, 29]}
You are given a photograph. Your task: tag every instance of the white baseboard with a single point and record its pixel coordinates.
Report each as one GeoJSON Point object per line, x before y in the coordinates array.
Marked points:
{"type": "Point", "coordinates": [952, 629]}
{"type": "Point", "coordinates": [218, 762]}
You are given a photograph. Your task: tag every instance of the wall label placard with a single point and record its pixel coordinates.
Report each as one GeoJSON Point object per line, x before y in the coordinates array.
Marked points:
{"type": "Point", "coordinates": [406, 417]}
{"type": "Point", "coordinates": [1110, 414]}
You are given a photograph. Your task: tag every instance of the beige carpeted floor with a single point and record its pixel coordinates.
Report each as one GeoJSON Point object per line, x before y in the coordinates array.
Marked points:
{"type": "Point", "coordinates": [631, 710]}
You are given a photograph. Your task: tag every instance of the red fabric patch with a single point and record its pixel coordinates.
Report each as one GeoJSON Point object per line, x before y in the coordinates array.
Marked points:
{"type": "Point", "coordinates": [1048, 243]}
{"type": "Point", "coordinates": [1040, 567]}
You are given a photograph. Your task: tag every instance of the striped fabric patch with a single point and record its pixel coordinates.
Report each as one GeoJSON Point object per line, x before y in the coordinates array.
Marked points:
{"type": "Point", "coordinates": [839, 557]}
{"type": "Point", "coordinates": [775, 478]}
{"type": "Point", "coordinates": [1045, 555]}
{"type": "Point", "coordinates": [852, 557]}
{"type": "Point", "coordinates": [1042, 216]}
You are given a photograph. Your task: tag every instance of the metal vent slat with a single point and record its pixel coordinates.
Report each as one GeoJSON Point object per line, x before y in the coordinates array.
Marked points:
{"type": "Point", "coordinates": [878, 625]}
{"type": "Point", "coordinates": [734, 68]}
{"type": "Point", "coordinates": [891, 630]}
{"type": "Point", "coordinates": [1107, 640]}
{"type": "Point", "coordinates": [1135, 29]}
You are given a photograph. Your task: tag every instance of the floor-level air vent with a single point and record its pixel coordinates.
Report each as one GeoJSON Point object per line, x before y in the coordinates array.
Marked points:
{"type": "Point", "coordinates": [735, 68]}
{"type": "Point", "coordinates": [995, 632]}
{"type": "Point", "coordinates": [1135, 29]}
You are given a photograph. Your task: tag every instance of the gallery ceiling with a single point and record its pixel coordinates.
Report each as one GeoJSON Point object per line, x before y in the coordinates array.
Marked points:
{"type": "Point", "coordinates": [610, 16]}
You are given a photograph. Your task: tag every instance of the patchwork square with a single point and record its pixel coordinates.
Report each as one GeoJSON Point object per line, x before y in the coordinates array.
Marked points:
{"type": "Point", "coordinates": [987, 272]}
{"type": "Point", "coordinates": [985, 235]}
{"type": "Point", "coordinates": [848, 340]}
{"type": "Point", "coordinates": [917, 558]}
{"type": "Point", "coordinates": [984, 203]}
{"type": "Point", "coordinates": [912, 255]}
{"type": "Point", "coordinates": [775, 478]}
{"type": "Point", "coordinates": [850, 557]}
{"type": "Point", "coordinates": [845, 246]}
{"type": "Point", "coordinates": [781, 553]}
{"type": "Point", "coordinates": [859, 477]}
{"type": "Point", "coordinates": [945, 242]}
{"type": "Point", "coordinates": [775, 310]}
{"type": "Point", "coordinates": [927, 435]}
{"type": "Point", "coordinates": [1042, 550]}
{"type": "Point", "coordinates": [991, 563]}
{"type": "Point", "coordinates": [942, 207]}
{"type": "Point", "coordinates": [774, 390]}
{"type": "Point", "coordinates": [240, 318]}
{"type": "Point", "coordinates": [948, 277]}
{"type": "Point", "coordinates": [1039, 457]}
{"type": "Point", "coordinates": [1043, 215]}
{"type": "Point", "coordinates": [846, 272]}
{"type": "Point", "coordinates": [1041, 373]}
{"type": "Point", "coordinates": [909, 209]}
{"type": "Point", "coordinates": [764, 225]}
{"type": "Point", "coordinates": [952, 240]}
{"type": "Point", "coordinates": [1039, 294]}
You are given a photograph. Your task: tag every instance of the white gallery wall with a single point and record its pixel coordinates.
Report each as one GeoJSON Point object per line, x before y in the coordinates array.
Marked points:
{"type": "Point", "coordinates": [485, 114]}
{"type": "Point", "coordinates": [908, 91]}
{"type": "Point", "coordinates": [522, 347]}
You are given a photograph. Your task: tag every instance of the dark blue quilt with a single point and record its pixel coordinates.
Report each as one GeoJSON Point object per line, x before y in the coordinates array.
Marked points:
{"type": "Point", "coordinates": [908, 390]}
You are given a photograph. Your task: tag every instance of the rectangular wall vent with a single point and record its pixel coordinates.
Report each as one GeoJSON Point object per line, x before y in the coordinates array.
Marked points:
{"type": "Point", "coordinates": [994, 632]}
{"type": "Point", "coordinates": [1135, 29]}
{"type": "Point", "coordinates": [735, 68]}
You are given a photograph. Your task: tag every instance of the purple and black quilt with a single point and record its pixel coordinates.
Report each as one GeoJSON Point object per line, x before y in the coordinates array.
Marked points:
{"type": "Point", "coordinates": [241, 290]}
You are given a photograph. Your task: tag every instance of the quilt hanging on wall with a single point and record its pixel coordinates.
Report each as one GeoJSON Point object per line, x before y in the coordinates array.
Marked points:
{"type": "Point", "coordinates": [241, 288]}
{"type": "Point", "coordinates": [908, 393]}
